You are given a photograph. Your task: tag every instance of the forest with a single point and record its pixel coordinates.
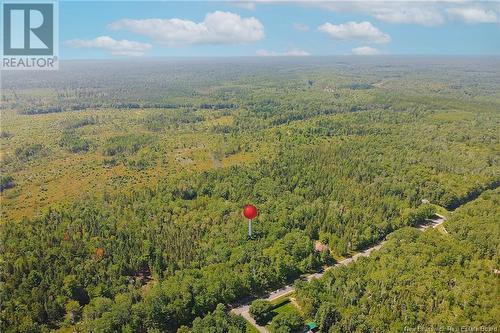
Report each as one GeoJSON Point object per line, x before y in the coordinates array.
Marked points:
{"type": "Point", "coordinates": [121, 201]}
{"type": "Point", "coordinates": [434, 279]}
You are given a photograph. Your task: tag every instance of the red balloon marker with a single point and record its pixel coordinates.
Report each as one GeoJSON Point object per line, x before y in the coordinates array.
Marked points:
{"type": "Point", "coordinates": [250, 212]}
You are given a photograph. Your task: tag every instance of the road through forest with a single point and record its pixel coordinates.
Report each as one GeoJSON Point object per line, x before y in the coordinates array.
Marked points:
{"type": "Point", "coordinates": [243, 309]}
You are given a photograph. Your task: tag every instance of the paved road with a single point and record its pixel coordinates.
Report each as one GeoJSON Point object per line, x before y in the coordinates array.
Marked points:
{"type": "Point", "coordinates": [243, 310]}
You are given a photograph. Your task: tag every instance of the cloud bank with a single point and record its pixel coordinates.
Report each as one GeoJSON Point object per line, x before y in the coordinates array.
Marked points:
{"type": "Point", "coordinates": [294, 52]}
{"type": "Point", "coordinates": [426, 12]}
{"type": "Point", "coordinates": [365, 50]}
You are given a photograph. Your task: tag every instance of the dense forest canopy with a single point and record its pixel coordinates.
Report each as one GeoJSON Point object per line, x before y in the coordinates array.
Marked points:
{"type": "Point", "coordinates": [122, 190]}
{"type": "Point", "coordinates": [435, 279]}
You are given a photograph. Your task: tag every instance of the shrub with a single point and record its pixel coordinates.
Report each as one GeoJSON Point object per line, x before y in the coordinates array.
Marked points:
{"type": "Point", "coordinates": [260, 310]}
{"type": "Point", "coordinates": [126, 145]}
{"type": "Point", "coordinates": [6, 182]}
{"type": "Point", "coordinates": [286, 323]}
{"type": "Point", "coordinates": [31, 152]}
{"type": "Point", "coordinates": [73, 142]}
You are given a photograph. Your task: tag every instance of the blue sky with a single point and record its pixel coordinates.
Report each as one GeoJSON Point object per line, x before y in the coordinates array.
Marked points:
{"type": "Point", "coordinates": [269, 28]}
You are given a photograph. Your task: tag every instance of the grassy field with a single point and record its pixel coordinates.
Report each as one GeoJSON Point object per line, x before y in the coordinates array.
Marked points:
{"type": "Point", "coordinates": [62, 176]}
{"type": "Point", "coordinates": [286, 307]}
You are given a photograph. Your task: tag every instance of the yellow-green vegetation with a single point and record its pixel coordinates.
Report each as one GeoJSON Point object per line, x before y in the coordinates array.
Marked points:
{"type": "Point", "coordinates": [286, 307]}
{"type": "Point", "coordinates": [281, 300]}
{"type": "Point", "coordinates": [250, 328]}
{"type": "Point", "coordinates": [440, 210]}
{"type": "Point", "coordinates": [63, 171]}
{"type": "Point", "coordinates": [114, 177]}
{"type": "Point", "coordinates": [289, 306]}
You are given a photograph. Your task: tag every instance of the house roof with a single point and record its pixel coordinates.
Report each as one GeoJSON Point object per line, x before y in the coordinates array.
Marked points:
{"type": "Point", "coordinates": [320, 247]}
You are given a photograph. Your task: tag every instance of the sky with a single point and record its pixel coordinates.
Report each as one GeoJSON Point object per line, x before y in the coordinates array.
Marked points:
{"type": "Point", "coordinates": [120, 29]}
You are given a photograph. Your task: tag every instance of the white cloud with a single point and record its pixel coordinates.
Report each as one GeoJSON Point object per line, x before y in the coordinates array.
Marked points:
{"type": "Point", "coordinates": [355, 31]}
{"type": "Point", "coordinates": [427, 12]}
{"type": "Point", "coordinates": [217, 28]}
{"type": "Point", "coordinates": [409, 12]}
{"type": "Point", "coordinates": [115, 47]}
{"type": "Point", "coordinates": [300, 27]}
{"type": "Point", "coordinates": [248, 5]}
{"type": "Point", "coordinates": [266, 53]}
{"type": "Point", "coordinates": [423, 16]}
{"type": "Point", "coordinates": [474, 15]}
{"type": "Point", "coordinates": [294, 52]}
{"type": "Point", "coordinates": [365, 50]}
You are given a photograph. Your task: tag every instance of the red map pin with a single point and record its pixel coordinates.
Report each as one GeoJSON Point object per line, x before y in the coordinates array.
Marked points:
{"type": "Point", "coordinates": [250, 212]}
